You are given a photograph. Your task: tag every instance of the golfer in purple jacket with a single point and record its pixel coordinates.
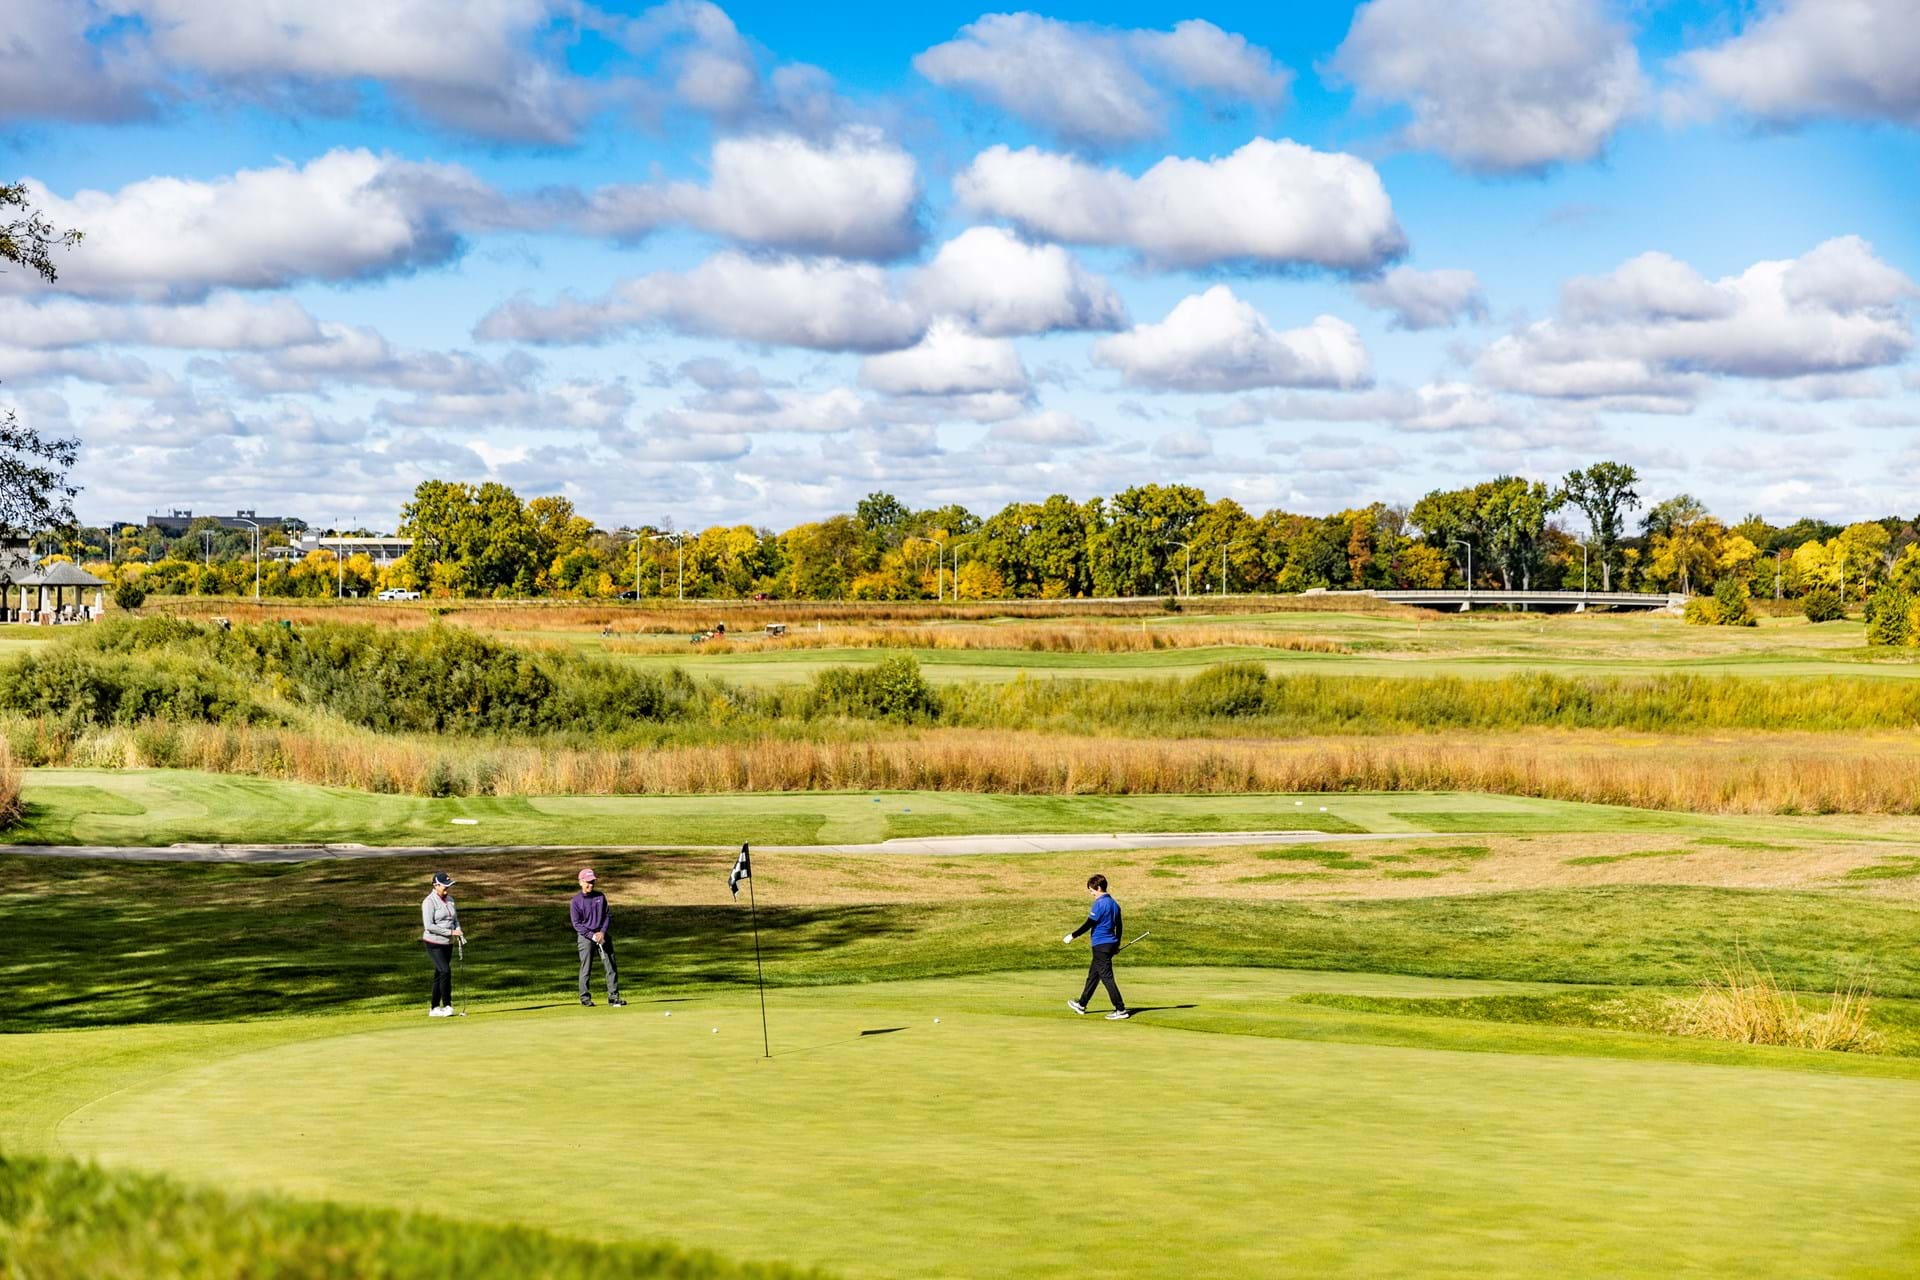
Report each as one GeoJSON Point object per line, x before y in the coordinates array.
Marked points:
{"type": "Point", "coordinates": [593, 925]}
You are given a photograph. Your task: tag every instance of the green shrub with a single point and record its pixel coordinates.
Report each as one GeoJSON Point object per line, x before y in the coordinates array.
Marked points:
{"type": "Point", "coordinates": [892, 689]}
{"type": "Point", "coordinates": [1733, 603]}
{"type": "Point", "coordinates": [79, 687]}
{"type": "Point", "coordinates": [1229, 690]}
{"type": "Point", "coordinates": [1702, 611]}
{"type": "Point", "coordinates": [442, 679]}
{"type": "Point", "coordinates": [129, 595]}
{"type": "Point", "coordinates": [1823, 604]}
{"type": "Point", "coordinates": [1890, 616]}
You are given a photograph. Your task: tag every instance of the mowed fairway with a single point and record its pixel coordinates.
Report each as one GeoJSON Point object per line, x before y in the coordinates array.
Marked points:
{"type": "Point", "coordinates": [1225, 1132]}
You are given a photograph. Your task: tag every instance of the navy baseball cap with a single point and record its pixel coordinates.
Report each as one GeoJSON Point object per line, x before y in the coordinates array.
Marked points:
{"type": "Point", "coordinates": [441, 877]}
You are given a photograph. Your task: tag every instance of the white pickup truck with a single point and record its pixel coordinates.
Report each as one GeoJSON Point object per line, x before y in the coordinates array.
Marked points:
{"type": "Point", "coordinates": [395, 593]}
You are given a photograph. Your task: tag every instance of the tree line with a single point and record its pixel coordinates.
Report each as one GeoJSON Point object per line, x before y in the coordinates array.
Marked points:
{"type": "Point", "coordinates": [480, 541]}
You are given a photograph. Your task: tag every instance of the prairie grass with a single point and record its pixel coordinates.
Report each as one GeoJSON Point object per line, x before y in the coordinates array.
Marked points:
{"type": "Point", "coordinates": [1746, 1004]}
{"type": "Point", "coordinates": [1074, 638]}
{"type": "Point", "coordinates": [10, 779]}
{"type": "Point", "coordinates": [1762, 775]}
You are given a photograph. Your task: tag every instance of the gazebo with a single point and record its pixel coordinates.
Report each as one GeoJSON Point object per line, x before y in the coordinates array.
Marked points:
{"type": "Point", "coordinates": [60, 577]}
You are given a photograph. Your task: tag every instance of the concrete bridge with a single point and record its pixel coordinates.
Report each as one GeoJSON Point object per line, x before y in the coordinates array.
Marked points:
{"type": "Point", "coordinates": [1461, 599]}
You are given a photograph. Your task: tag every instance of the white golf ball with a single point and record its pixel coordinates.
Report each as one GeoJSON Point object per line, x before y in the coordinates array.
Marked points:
{"type": "Point", "coordinates": [936, 1022]}
{"type": "Point", "coordinates": [667, 1014]}
{"type": "Point", "coordinates": [716, 1031]}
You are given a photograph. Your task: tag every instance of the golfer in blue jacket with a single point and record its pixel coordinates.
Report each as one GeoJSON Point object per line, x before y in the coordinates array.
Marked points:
{"type": "Point", "coordinates": [1104, 921]}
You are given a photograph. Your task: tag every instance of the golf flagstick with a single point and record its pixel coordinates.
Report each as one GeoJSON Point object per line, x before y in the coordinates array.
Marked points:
{"type": "Point", "coordinates": [743, 870]}
{"type": "Point", "coordinates": [1123, 946]}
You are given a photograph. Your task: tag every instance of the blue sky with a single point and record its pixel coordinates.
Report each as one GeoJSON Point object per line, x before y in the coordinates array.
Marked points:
{"type": "Point", "coordinates": [750, 263]}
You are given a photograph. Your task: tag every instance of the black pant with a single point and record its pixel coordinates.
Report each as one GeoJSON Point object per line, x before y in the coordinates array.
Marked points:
{"type": "Point", "coordinates": [442, 958]}
{"type": "Point", "coordinates": [1101, 970]}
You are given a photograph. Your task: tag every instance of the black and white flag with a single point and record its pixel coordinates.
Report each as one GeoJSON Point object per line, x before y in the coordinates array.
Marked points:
{"type": "Point", "coordinates": [742, 870]}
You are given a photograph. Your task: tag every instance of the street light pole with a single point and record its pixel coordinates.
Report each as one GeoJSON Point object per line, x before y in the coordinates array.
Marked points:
{"type": "Point", "coordinates": [680, 549]}
{"type": "Point", "coordinates": [256, 556]}
{"type": "Point", "coordinates": [340, 561]}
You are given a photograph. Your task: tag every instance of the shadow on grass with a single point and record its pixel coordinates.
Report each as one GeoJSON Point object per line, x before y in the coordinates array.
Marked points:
{"type": "Point", "coordinates": [99, 963]}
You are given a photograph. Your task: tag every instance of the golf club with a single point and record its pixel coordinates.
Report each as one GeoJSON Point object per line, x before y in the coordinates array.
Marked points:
{"type": "Point", "coordinates": [1123, 946]}
{"type": "Point", "coordinates": [605, 968]}
{"type": "Point", "coordinates": [460, 957]}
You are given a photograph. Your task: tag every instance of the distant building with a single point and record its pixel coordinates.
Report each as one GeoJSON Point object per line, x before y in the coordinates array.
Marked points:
{"type": "Point", "coordinates": [175, 523]}
{"type": "Point", "coordinates": [382, 550]}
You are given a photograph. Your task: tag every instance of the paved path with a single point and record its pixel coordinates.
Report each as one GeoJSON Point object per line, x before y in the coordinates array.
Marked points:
{"type": "Point", "coordinates": [931, 846]}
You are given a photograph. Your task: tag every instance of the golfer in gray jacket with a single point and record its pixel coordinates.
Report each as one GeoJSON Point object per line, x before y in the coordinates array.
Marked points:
{"type": "Point", "coordinates": [440, 924]}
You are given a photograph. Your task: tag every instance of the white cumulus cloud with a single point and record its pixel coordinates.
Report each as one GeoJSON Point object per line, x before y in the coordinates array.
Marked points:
{"type": "Point", "coordinates": [1803, 59]}
{"type": "Point", "coordinates": [1214, 341]}
{"type": "Point", "coordinates": [1271, 203]}
{"type": "Point", "coordinates": [1097, 85]}
{"type": "Point", "coordinates": [824, 304]}
{"type": "Point", "coordinates": [1006, 287]}
{"type": "Point", "coordinates": [345, 215]}
{"type": "Point", "coordinates": [949, 361]}
{"type": "Point", "coordinates": [1425, 299]}
{"type": "Point", "coordinates": [855, 196]}
{"type": "Point", "coordinates": [1656, 331]}
{"type": "Point", "coordinates": [1497, 86]}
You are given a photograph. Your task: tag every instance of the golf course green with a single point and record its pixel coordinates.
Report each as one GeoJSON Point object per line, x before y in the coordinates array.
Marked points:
{"type": "Point", "coordinates": [1226, 1131]}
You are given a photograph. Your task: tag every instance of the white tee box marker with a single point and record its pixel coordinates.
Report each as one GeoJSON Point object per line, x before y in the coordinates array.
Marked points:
{"type": "Point", "coordinates": [465, 822]}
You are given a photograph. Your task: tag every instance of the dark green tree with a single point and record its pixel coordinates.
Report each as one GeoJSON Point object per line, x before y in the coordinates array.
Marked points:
{"type": "Point", "coordinates": [1604, 493]}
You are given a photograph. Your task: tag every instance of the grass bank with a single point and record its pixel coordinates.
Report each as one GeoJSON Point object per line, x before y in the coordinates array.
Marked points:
{"type": "Point", "coordinates": [60, 1218]}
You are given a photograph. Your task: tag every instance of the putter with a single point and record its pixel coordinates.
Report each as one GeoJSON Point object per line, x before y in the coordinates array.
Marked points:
{"type": "Point", "coordinates": [460, 956]}
{"type": "Point", "coordinates": [1123, 946]}
{"type": "Point", "coordinates": [601, 948]}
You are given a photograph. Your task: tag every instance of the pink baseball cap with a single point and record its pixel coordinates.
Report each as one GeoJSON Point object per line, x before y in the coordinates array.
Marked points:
{"type": "Point", "coordinates": [586, 873]}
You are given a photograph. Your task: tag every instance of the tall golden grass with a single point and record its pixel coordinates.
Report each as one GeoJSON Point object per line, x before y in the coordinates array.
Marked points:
{"type": "Point", "coordinates": [1756, 775]}
{"type": "Point", "coordinates": [10, 779]}
{"type": "Point", "coordinates": [1070, 638]}
{"type": "Point", "coordinates": [1746, 1003]}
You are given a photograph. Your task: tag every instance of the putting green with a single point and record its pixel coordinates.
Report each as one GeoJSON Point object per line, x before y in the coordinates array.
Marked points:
{"type": "Point", "coordinates": [1225, 1132]}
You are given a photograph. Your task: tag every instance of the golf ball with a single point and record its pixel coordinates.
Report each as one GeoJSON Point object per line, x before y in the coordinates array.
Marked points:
{"type": "Point", "coordinates": [667, 1014]}
{"type": "Point", "coordinates": [936, 1022]}
{"type": "Point", "coordinates": [716, 1031]}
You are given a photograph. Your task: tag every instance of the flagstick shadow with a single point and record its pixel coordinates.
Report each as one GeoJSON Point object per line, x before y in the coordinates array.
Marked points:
{"type": "Point", "coordinates": [832, 1044]}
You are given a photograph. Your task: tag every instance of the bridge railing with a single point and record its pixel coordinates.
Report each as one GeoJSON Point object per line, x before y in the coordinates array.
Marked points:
{"type": "Point", "coordinates": [1502, 595]}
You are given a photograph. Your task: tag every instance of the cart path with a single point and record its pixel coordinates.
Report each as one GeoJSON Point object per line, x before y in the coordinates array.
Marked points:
{"type": "Point", "coordinates": [928, 846]}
